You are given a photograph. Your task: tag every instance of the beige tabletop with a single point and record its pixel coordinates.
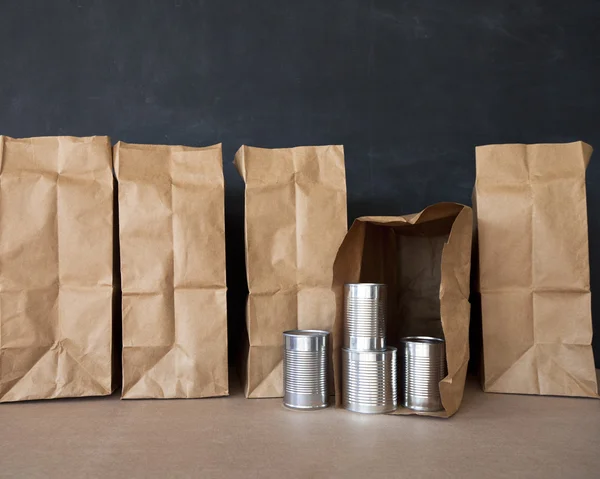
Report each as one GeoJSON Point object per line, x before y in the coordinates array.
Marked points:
{"type": "Point", "coordinates": [491, 436]}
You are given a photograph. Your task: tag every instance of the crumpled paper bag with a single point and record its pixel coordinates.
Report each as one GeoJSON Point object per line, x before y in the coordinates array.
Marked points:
{"type": "Point", "coordinates": [295, 222]}
{"type": "Point", "coordinates": [533, 269]}
{"type": "Point", "coordinates": [56, 267]}
{"type": "Point", "coordinates": [172, 241]}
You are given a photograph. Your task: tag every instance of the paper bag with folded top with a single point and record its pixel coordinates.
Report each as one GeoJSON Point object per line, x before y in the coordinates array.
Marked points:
{"type": "Point", "coordinates": [534, 270]}
{"type": "Point", "coordinates": [425, 261]}
{"type": "Point", "coordinates": [172, 240]}
{"type": "Point", "coordinates": [56, 267]}
{"type": "Point", "coordinates": [295, 222]}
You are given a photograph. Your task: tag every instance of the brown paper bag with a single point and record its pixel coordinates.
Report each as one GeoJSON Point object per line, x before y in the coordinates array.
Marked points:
{"type": "Point", "coordinates": [56, 274]}
{"type": "Point", "coordinates": [425, 259]}
{"type": "Point", "coordinates": [295, 222]}
{"type": "Point", "coordinates": [534, 271]}
{"type": "Point", "coordinates": [172, 239]}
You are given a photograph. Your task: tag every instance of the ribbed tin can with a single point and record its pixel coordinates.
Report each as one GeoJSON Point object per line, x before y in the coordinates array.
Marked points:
{"type": "Point", "coordinates": [422, 365]}
{"type": "Point", "coordinates": [369, 382]}
{"type": "Point", "coordinates": [305, 367]}
{"type": "Point", "coordinates": [364, 316]}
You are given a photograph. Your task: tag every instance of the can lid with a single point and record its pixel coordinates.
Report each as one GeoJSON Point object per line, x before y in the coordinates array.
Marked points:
{"type": "Point", "coordinates": [306, 332]}
{"type": "Point", "coordinates": [305, 340]}
{"type": "Point", "coordinates": [423, 346]}
{"type": "Point", "coordinates": [365, 290]}
{"type": "Point", "coordinates": [422, 339]}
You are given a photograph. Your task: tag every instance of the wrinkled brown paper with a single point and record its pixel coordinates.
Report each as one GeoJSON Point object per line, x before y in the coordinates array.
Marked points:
{"type": "Point", "coordinates": [172, 240]}
{"type": "Point", "coordinates": [295, 222]}
{"type": "Point", "coordinates": [534, 270]}
{"type": "Point", "coordinates": [425, 260]}
{"type": "Point", "coordinates": [56, 267]}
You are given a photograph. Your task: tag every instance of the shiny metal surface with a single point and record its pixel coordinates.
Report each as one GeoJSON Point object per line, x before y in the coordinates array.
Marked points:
{"type": "Point", "coordinates": [369, 381]}
{"type": "Point", "coordinates": [305, 360]}
{"type": "Point", "coordinates": [422, 365]}
{"type": "Point", "coordinates": [364, 316]}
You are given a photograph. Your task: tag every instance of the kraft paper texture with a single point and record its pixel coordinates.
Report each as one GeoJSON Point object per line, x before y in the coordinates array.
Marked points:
{"type": "Point", "coordinates": [425, 260]}
{"type": "Point", "coordinates": [172, 241]}
{"type": "Point", "coordinates": [295, 222]}
{"type": "Point", "coordinates": [534, 269]}
{"type": "Point", "coordinates": [56, 267]}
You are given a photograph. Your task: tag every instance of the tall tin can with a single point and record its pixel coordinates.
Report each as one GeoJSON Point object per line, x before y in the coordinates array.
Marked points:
{"type": "Point", "coordinates": [305, 369]}
{"type": "Point", "coordinates": [364, 316]}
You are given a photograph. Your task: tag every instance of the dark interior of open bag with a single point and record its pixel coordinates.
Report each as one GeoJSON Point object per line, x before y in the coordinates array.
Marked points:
{"type": "Point", "coordinates": [408, 258]}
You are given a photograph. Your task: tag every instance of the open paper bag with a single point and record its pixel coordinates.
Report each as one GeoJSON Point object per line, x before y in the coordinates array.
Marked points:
{"type": "Point", "coordinates": [425, 260]}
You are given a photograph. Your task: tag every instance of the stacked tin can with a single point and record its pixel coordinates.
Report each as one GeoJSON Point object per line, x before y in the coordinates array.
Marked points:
{"type": "Point", "coordinates": [369, 371]}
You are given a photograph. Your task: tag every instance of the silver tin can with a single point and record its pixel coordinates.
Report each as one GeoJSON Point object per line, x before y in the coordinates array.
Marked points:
{"type": "Point", "coordinates": [369, 382]}
{"type": "Point", "coordinates": [422, 367]}
{"type": "Point", "coordinates": [305, 367]}
{"type": "Point", "coordinates": [364, 316]}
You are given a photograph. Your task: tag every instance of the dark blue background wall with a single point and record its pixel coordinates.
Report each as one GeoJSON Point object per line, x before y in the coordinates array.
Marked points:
{"type": "Point", "coordinates": [409, 87]}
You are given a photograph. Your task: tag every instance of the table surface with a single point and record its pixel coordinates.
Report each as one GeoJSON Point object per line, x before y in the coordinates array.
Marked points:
{"type": "Point", "coordinates": [492, 435]}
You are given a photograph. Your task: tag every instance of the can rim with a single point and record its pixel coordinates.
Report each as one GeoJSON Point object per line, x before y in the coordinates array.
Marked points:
{"type": "Point", "coordinates": [364, 284]}
{"type": "Point", "coordinates": [422, 340]}
{"type": "Point", "coordinates": [371, 355]}
{"type": "Point", "coordinates": [303, 333]}
{"type": "Point", "coordinates": [387, 349]}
